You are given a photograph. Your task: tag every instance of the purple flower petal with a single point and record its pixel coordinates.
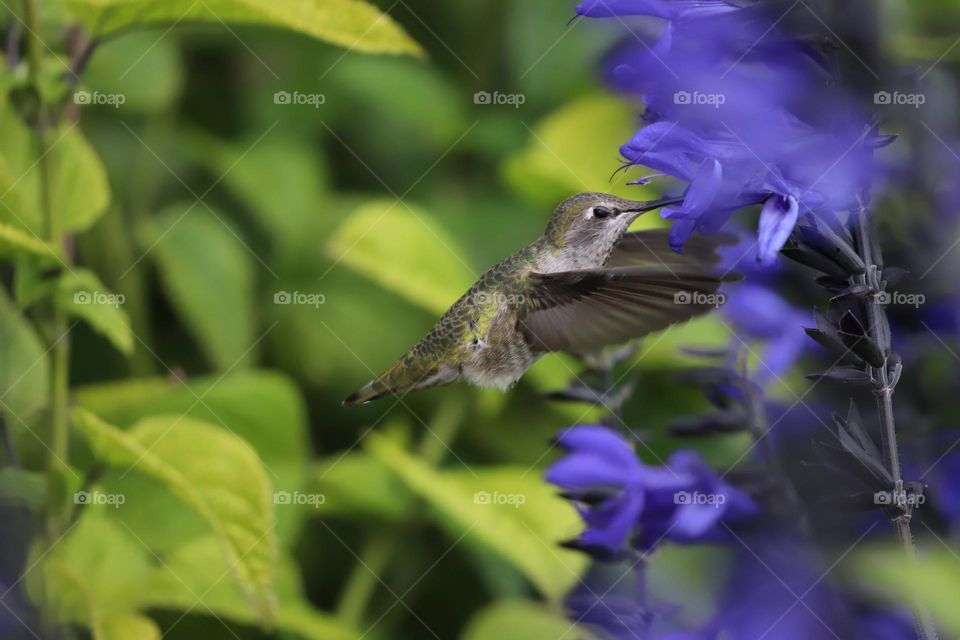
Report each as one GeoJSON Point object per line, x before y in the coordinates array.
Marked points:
{"type": "Point", "coordinates": [777, 220]}
{"type": "Point", "coordinates": [585, 471]}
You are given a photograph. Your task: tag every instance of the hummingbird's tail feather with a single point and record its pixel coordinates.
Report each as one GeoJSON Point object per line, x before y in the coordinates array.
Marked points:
{"type": "Point", "coordinates": [400, 378]}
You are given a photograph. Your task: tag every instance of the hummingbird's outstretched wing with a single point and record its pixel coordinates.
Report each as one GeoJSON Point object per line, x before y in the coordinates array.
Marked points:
{"type": "Point", "coordinates": [588, 309]}
{"type": "Point", "coordinates": [652, 247]}
{"type": "Point", "coordinates": [645, 287]}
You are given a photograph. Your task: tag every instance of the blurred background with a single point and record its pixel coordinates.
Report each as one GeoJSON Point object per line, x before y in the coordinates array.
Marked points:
{"type": "Point", "coordinates": [282, 218]}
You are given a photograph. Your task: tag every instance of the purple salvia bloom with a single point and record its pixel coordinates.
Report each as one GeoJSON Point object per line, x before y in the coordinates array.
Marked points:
{"type": "Point", "coordinates": [622, 500]}
{"type": "Point", "coordinates": [741, 114]}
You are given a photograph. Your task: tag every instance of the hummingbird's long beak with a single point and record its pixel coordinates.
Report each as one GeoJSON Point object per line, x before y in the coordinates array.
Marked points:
{"type": "Point", "coordinates": [638, 208]}
{"type": "Point", "coordinates": [642, 206]}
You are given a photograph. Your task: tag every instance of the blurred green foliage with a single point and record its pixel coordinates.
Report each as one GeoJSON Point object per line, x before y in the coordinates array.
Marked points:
{"type": "Point", "coordinates": [260, 217]}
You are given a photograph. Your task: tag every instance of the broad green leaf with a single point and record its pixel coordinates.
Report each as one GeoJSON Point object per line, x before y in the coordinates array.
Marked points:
{"type": "Point", "coordinates": [520, 620]}
{"type": "Point", "coordinates": [357, 485]}
{"type": "Point", "coordinates": [13, 239]}
{"type": "Point", "coordinates": [506, 510]}
{"type": "Point", "coordinates": [79, 191]}
{"type": "Point", "coordinates": [391, 92]}
{"type": "Point", "coordinates": [80, 293]}
{"type": "Point", "coordinates": [354, 24]}
{"type": "Point", "coordinates": [95, 572]}
{"type": "Point", "coordinates": [23, 365]}
{"type": "Point", "coordinates": [24, 488]}
{"type": "Point", "coordinates": [576, 149]}
{"type": "Point", "coordinates": [405, 251]}
{"type": "Point", "coordinates": [129, 626]}
{"type": "Point", "coordinates": [208, 272]}
{"type": "Point", "coordinates": [190, 578]}
{"type": "Point", "coordinates": [281, 180]}
{"type": "Point", "coordinates": [142, 69]}
{"type": "Point", "coordinates": [264, 408]}
{"type": "Point", "coordinates": [932, 579]}
{"type": "Point", "coordinates": [216, 474]}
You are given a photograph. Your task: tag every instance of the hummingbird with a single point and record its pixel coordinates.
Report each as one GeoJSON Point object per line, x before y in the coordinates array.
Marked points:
{"type": "Point", "coordinates": [585, 283]}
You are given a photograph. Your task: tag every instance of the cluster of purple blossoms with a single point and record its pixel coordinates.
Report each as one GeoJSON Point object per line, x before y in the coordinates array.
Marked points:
{"type": "Point", "coordinates": [740, 113]}
{"type": "Point", "coordinates": [626, 503]}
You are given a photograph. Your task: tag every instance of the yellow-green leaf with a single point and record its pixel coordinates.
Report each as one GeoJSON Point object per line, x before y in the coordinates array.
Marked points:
{"type": "Point", "coordinates": [509, 511]}
{"type": "Point", "coordinates": [13, 239]}
{"type": "Point", "coordinates": [264, 408]}
{"type": "Point", "coordinates": [190, 578]}
{"type": "Point", "coordinates": [932, 579]}
{"type": "Point", "coordinates": [354, 24]}
{"type": "Point", "coordinates": [129, 626]}
{"type": "Point", "coordinates": [81, 294]}
{"type": "Point", "coordinates": [24, 365]}
{"type": "Point", "coordinates": [215, 473]}
{"type": "Point", "coordinates": [521, 620]}
{"type": "Point", "coordinates": [208, 272]}
{"type": "Point", "coordinates": [94, 573]}
{"type": "Point", "coordinates": [386, 242]}
{"type": "Point", "coordinates": [79, 190]}
{"type": "Point", "coordinates": [575, 149]}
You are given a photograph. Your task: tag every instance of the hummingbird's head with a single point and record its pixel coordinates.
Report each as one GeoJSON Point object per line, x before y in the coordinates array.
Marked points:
{"type": "Point", "coordinates": [594, 220]}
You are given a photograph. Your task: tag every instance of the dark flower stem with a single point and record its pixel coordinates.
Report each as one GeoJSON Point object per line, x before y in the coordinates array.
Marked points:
{"type": "Point", "coordinates": [885, 380]}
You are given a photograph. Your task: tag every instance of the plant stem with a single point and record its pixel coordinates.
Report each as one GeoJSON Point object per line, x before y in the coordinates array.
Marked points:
{"type": "Point", "coordinates": [878, 330]}
{"type": "Point", "coordinates": [383, 545]}
{"type": "Point", "coordinates": [59, 345]}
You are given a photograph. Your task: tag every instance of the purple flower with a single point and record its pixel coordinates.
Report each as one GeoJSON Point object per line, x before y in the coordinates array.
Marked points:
{"type": "Point", "coordinates": [623, 501]}
{"type": "Point", "coordinates": [758, 313]}
{"type": "Point", "coordinates": [740, 113]}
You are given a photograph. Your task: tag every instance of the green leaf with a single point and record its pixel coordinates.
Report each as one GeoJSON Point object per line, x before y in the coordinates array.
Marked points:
{"type": "Point", "coordinates": [190, 578]}
{"type": "Point", "coordinates": [142, 67]}
{"type": "Point", "coordinates": [24, 365]}
{"type": "Point", "coordinates": [79, 191]}
{"type": "Point", "coordinates": [95, 572]}
{"type": "Point", "coordinates": [216, 474]}
{"type": "Point", "coordinates": [81, 295]}
{"type": "Point", "coordinates": [506, 510]}
{"type": "Point", "coordinates": [357, 485]}
{"type": "Point", "coordinates": [23, 488]}
{"type": "Point", "coordinates": [390, 91]}
{"type": "Point", "coordinates": [387, 243]}
{"type": "Point", "coordinates": [129, 626]}
{"type": "Point", "coordinates": [932, 579]}
{"type": "Point", "coordinates": [353, 24]}
{"type": "Point", "coordinates": [520, 620]}
{"type": "Point", "coordinates": [264, 408]}
{"type": "Point", "coordinates": [575, 149]}
{"type": "Point", "coordinates": [208, 274]}
{"type": "Point", "coordinates": [13, 239]}
{"type": "Point", "coordinates": [281, 180]}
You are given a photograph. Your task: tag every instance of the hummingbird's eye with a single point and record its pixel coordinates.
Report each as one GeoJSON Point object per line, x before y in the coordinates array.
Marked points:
{"type": "Point", "coordinates": [603, 212]}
